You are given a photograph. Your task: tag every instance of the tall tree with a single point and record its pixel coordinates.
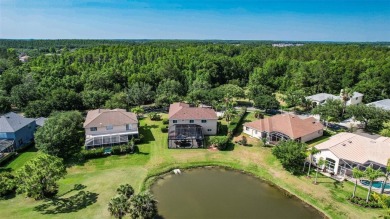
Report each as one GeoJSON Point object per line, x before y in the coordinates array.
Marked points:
{"type": "Point", "coordinates": [356, 174]}
{"type": "Point", "coordinates": [312, 152]}
{"type": "Point", "coordinates": [38, 177]}
{"type": "Point", "coordinates": [119, 206]}
{"type": "Point", "coordinates": [143, 206]}
{"type": "Point", "coordinates": [5, 103]}
{"type": "Point", "coordinates": [331, 110]}
{"type": "Point", "coordinates": [62, 135]}
{"type": "Point", "coordinates": [139, 93]}
{"type": "Point", "coordinates": [291, 154]}
{"type": "Point", "coordinates": [371, 174]}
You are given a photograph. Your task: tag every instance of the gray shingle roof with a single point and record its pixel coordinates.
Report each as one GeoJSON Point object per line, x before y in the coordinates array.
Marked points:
{"type": "Point", "coordinates": [11, 122]}
{"type": "Point", "coordinates": [40, 121]}
{"type": "Point", "coordinates": [384, 104]}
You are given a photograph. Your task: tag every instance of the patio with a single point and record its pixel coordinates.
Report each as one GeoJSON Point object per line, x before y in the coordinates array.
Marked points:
{"type": "Point", "coordinates": [185, 136]}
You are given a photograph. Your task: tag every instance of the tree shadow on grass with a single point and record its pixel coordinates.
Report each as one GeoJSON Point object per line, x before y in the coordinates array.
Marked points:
{"type": "Point", "coordinates": [147, 133]}
{"type": "Point", "coordinates": [73, 203]}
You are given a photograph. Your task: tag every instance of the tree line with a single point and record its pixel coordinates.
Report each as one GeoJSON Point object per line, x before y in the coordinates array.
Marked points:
{"type": "Point", "coordinates": [133, 74]}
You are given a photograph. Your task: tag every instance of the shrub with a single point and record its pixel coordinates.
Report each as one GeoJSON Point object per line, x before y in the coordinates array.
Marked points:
{"type": "Point", "coordinates": [372, 203]}
{"type": "Point", "coordinates": [154, 116]}
{"type": "Point", "coordinates": [93, 153]}
{"type": "Point", "coordinates": [165, 121]}
{"type": "Point", "coordinates": [244, 141]}
{"type": "Point", "coordinates": [7, 184]}
{"type": "Point", "coordinates": [221, 142]}
{"type": "Point", "coordinates": [139, 139]}
{"type": "Point", "coordinates": [164, 129]}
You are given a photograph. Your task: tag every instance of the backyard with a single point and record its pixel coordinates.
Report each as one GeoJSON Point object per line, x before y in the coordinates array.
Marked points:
{"type": "Point", "coordinates": [99, 178]}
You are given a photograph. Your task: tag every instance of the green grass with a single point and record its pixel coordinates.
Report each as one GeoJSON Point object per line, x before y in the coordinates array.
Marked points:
{"type": "Point", "coordinates": [22, 158]}
{"type": "Point", "coordinates": [317, 141]}
{"type": "Point", "coordinates": [101, 177]}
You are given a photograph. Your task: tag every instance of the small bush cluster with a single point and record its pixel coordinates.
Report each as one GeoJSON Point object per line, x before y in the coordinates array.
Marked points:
{"type": "Point", "coordinates": [362, 202]}
{"type": "Point", "coordinates": [116, 150]}
{"type": "Point", "coordinates": [221, 142]}
{"type": "Point", "coordinates": [154, 116]}
{"type": "Point", "coordinates": [164, 129]}
{"type": "Point", "coordinates": [165, 121]}
{"type": "Point", "coordinates": [7, 184]}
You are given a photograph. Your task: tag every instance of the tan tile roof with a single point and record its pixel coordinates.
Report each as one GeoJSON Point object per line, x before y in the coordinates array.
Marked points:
{"type": "Point", "coordinates": [104, 117]}
{"type": "Point", "coordinates": [357, 148]}
{"type": "Point", "coordinates": [184, 111]}
{"type": "Point", "coordinates": [288, 124]}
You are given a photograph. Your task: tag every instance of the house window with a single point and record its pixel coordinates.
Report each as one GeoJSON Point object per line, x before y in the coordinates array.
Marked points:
{"type": "Point", "coordinates": [357, 98]}
{"type": "Point", "coordinates": [191, 121]}
{"type": "Point", "coordinates": [109, 127]}
{"type": "Point", "coordinates": [20, 141]}
{"type": "Point", "coordinates": [204, 121]}
{"type": "Point", "coordinates": [209, 130]}
{"type": "Point", "coordinates": [256, 132]}
{"type": "Point", "coordinates": [247, 128]}
{"type": "Point", "coordinates": [93, 129]}
{"type": "Point", "coordinates": [174, 121]}
{"type": "Point", "coordinates": [129, 127]}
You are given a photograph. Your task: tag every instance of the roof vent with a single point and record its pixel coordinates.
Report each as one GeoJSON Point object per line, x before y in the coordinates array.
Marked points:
{"type": "Point", "coordinates": [350, 141]}
{"type": "Point", "coordinates": [343, 144]}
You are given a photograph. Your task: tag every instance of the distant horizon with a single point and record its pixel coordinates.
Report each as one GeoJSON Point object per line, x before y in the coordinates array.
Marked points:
{"type": "Point", "coordinates": [263, 20]}
{"type": "Point", "coordinates": [222, 40]}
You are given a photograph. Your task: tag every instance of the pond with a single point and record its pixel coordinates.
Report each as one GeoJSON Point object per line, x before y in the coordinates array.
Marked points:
{"type": "Point", "coordinates": [219, 193]}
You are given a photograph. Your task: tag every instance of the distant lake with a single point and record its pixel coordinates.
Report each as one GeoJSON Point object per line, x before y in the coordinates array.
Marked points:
{"type": "Point", "coordinates": [218, 193]}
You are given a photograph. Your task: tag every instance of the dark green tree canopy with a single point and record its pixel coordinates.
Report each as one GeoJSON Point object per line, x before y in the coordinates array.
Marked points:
{"type": "Point", "coordinates": [291, 154]}
{"type": "Point", "coordinates": [62, 135]}
{"type": "Point", "coordinates": [38, 177]}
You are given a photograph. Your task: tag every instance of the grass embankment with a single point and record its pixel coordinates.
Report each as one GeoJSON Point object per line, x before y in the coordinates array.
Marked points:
{"type": "Point", "coordinates": [101, 177]}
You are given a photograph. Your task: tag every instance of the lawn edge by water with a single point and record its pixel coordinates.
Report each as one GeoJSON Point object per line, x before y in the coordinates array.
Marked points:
{"type": "Point", "coordinates": [158, 173]}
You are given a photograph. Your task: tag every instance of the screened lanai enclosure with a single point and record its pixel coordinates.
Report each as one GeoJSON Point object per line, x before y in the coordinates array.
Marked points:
{"type": "Point", "coordinates": [185, 136]}
{"type": "Point", "coordinates": [6, 147]}
{"type": "Point", "coordinates": [275, 137]}
{"type": "Point", "coordinates": [108, 140]}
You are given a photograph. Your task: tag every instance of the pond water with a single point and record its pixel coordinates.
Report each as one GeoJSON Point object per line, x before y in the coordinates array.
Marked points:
{"type": "Point", "coordinates": [218, 193]}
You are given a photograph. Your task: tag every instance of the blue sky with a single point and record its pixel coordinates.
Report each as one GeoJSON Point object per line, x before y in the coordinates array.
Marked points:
{"type": "Point", "coordinates": [313, 20]}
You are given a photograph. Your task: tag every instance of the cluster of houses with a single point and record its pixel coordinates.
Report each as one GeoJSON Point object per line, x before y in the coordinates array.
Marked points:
{"type": "Point", "coordinates": [189, 125]}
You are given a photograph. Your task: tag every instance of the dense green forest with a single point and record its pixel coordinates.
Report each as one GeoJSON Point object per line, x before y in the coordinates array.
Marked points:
{"type": "Point", "coordinates": [68, 75]}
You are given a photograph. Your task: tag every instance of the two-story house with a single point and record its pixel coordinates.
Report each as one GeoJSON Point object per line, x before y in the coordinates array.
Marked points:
{"type": "Point", "coordinates": [16, 131]}
{"type": "Point", "coordinates": [109, 127]}
{"type": "Point", "coordinates": [188, 125]}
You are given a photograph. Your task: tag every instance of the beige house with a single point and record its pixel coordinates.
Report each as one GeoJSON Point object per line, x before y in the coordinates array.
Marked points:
{"type": "Point", "coordinates": [188, 125]}
{"type": "Point", "coordinates": [108, 127]}
{"type": "Point", "coordinates": [345, 151]}
{"type": "Point", "coordinates": [284, 127]}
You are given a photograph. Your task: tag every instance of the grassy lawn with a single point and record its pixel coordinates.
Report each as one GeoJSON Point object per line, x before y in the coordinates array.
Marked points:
{"type": "Point", "coordinates": [99, 178]}
{"type": "Point", "coordinates": [316, 141]}
{"type": "Point", "coordinates": [22, 158]}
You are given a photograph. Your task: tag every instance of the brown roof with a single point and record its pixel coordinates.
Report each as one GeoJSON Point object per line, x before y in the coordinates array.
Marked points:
{"type": "Point", "coordinates": [104, 117]}
{"type": "Point", "coordinates": [184, 111]}
{"type": "Point", "coordinates": [358, 148]}
{"type": "Point", "coordinates": [288, 124]}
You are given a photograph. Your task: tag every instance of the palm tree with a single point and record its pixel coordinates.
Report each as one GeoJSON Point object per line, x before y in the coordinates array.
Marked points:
{"type": "Point", "coordinates": [371, 174]}
{"type": "Point", "coordinates": [143, 206]}
{"type": "Point", "coordinates": [312, 152]}
{"type": "Point", "coordinates": [357, 174]}
{"type": "Point", "coordinates": [126, 190]}
{"type": "Point", "coordinates": [320, 163]}
{"type": "Point", "coordinates": [118, 206]}
{"type": "Point", "coordinates": [229, 114]}
{"type": "Point", "coordinates": [386, 176]}
{"type": "Point", "coordinates": [345, 95]}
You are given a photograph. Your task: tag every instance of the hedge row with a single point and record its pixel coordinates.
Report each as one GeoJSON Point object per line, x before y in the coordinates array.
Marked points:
{"type": "Point", "coordinates": [222, 142]}
{"type": "Point", "coordinates": [99, 152]}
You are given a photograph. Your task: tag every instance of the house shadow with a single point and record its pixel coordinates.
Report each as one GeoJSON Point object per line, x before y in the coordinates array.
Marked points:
{"type": "Point", "coordinates": [137, 151]}
{"type": "Point", "coordinates": [147, 133]}
{"type": "Point", "coordinates": [74, 203]}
